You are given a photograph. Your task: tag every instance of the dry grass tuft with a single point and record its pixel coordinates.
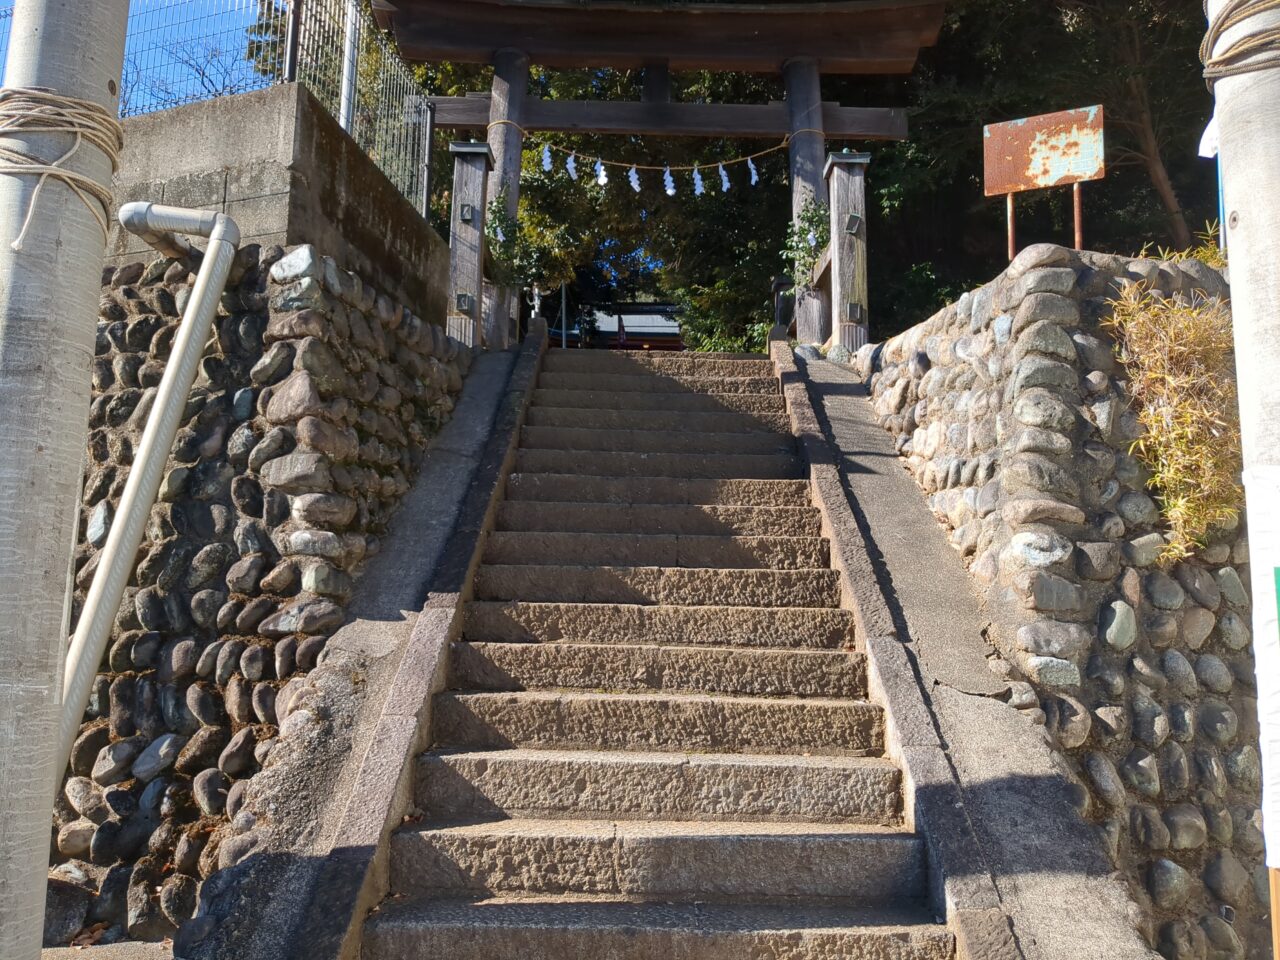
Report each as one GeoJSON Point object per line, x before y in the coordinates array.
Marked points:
{"type": "Point", "coordinates": [1181, 366]}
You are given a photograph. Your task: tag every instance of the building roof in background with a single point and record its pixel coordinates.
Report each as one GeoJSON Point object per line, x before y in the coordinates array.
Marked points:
{"type": "Point", "coordinates": [844, 36]}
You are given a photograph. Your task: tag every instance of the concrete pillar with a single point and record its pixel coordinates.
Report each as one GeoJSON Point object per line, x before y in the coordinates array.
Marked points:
{"type": "Point", "coordinates": [807, 153]}
{"type": "Point", "coordinates": [846, 177]}
{"type": "Point", "coordinates": [49, 290]}
{"type": "Point", "coordinates": [506, 140]}
{"type": "Point", "coordinates": [472, 163]}
{"type": "Point", "coordinates": [1247, 107]}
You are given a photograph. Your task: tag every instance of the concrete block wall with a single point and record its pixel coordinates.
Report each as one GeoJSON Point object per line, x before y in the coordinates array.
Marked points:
{"type": "Point", "coordinates": [277, 162]}
{"type": "Point", "coordinates": [1011, 411]}
{"type": "Point", "coordinates": [314, 404]}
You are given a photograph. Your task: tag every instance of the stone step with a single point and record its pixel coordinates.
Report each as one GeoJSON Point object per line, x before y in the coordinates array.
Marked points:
{"type": "Point", "coordinates": [657, 721]}
{"type": "Point", "coordinates": [656, 550]}
{"type": "Point", "coordinates": [565, 488]}
{"type": "Point", "coordinates": [791, 628]}
{"type": "Point", "coordinates": [658, 420]}
{"type": "Point", "coordinates": [658, 585]}
{"type": "Point", "coordinates": [654, 441]}
{"type": "Point", "coordinates": [554, 784]}
{"type": "Point", "coordinates": [588, 666]}
{"type": "Point", "coordinates": [549, 929]}
{"type": "Point", "coordinates": [581, 361]}
{"type": "Point", "coordinates": [659, 519]}
{"type": "Point", "coordinates": [615, 398]}
{"type": "Point", "coordinates": [771, 466]}
{"type": "Point", "coordinates": [668, 861]}
{"type": "Point", "coordinates": [679, 383]}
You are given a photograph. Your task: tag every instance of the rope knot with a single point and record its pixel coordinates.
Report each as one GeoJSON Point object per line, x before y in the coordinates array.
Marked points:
{"type": "Point", "coordinates": [30, 110]}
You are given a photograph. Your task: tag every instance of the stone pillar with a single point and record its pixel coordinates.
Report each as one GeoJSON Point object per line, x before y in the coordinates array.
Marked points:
{"type": "Point", "coordinates": [846, 177]}
{"type": "Point", "coordinates": [808, 152]}
{"type": "Point", "coordinates": [472, 163]}
{"type": "Point", "coordinates": [506, 140]}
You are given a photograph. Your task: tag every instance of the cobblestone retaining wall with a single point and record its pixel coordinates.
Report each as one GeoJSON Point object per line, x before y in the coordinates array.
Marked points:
{"type": "Point", "coordinates": [310, 414]}
{"type": "Point", "coordinates": [1011, 412]}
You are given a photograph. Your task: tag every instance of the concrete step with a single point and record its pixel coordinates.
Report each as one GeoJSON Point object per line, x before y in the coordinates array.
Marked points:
{"type": "Point", "coordinates": [587, 666]}
{"type": "Point", "coordinates": [464, 787]}
{"type": "Point", "coordinates": [580, 361]}
{"type": "Point", "coordinates": [617, 398]}
{"type": "Point", "coordinates": [710, 466]}
{"type": "Point", "coordinates": [565, 488]}
{"type": "Point", "coordinates": [792, 628]}
{"type": "Point", "coordinates": [654, 441]}
{"type": "Point", "coordinates": [656, 550]}
{"type": "Point", "coordinates": [660, 519]}
{"type": "Point", "coordinates": [659, 585]}
{"type": "Point", "coordinates": [660, 860]}
{"type": "Point", "coordinates": [659, 420]}
{"type": "Point", "coordinates": [657, 721]}
{"type": "Point", "coordinates": [550, 929]}
{"type": "Point", "coordinates": [766, 383]}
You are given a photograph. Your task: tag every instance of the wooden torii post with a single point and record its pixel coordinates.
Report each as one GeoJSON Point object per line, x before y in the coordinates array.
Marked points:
{"type": "Point", "coordinates": [506, 140]}
{"type": "Point", "coordinates": [800, 40]}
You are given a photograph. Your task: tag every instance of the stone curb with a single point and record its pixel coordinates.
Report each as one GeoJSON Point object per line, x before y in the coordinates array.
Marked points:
{"type": "Point", "coordinates": [961, 886]}
{"type": "Point", "coordinates": [354, 876]}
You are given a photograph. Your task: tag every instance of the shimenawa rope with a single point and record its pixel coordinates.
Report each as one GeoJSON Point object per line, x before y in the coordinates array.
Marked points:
{"type": "Point", "coordinates": [675, 168]}
{"type": "Point", "coordinates": [1259, 50]}
{"type": "Point", "coordinates": [29, 110]}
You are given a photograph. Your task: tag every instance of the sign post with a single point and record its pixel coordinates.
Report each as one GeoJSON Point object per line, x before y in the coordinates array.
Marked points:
{"type": "Point", "coordinates": [1052, 150]}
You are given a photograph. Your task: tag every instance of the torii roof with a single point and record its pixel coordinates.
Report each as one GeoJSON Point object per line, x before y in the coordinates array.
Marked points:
{"type": "Point", "coordinates": [843, 36]}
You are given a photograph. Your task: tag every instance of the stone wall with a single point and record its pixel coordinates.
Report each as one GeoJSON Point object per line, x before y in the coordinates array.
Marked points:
{"type": "Point", "coordinates": [313, 406]}
{"type": "Point", "coordinates": [1012, 413]}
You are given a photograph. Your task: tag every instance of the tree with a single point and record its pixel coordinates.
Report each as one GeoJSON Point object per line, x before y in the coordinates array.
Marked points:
{"type": "Point", "coordinates": [1139, 61]}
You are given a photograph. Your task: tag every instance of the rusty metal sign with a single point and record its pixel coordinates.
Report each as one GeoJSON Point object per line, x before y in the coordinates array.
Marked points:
{"type": "Point", "coordinates": [1046, 151]}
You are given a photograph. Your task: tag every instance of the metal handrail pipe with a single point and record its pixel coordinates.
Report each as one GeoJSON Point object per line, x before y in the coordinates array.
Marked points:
{"type": "Point", "coordinates": [158, 226]}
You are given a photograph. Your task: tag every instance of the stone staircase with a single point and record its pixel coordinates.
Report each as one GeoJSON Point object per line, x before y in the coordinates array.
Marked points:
{"type": "Point", "coordinates": [656, 740]}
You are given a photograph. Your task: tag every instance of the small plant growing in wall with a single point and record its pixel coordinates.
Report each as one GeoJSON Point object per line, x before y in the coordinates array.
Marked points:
{"type": "Point", "coordinates": [1180, 362]}
{"type": "Point", "coordinates": [808, 235]}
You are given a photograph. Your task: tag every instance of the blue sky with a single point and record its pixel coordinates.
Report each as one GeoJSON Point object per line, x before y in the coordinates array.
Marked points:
{"type": "Point", "coordinates": [178, 50]}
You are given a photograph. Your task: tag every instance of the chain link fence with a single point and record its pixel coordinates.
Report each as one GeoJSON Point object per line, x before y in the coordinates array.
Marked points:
{"type": "Point", "coordinates": [185, 51]}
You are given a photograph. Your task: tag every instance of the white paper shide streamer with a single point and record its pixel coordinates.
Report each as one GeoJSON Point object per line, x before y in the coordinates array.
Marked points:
{"type": "Point", "coordinates": [1262, 490]}
{"type": "Point", "coordinates": [546, 159]}
{"type": "Point", "coordinates": [634, 176]}
{"type": "Point", "coordinates": [668, 182]}
{"type": "Point", "coordinates": [699, 188]}
{"type": "Point", "coordinates": [602, 175]}
{"type": "Point", "coordinates": [755, 174]}
{"type": "Point", "coordinates": [572, 166]}
{"type": "Point", "coordinates": [724, 179]}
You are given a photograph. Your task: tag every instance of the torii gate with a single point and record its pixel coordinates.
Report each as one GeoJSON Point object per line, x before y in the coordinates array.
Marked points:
{"type": "Point", "coordinates": [802, 40]}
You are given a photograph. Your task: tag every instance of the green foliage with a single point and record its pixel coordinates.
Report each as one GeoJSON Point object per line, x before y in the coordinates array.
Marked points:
{"type": "Point", "coordinates": [1181, 364]}
{"type": "Point", "coordinates": [807, 238]}
{"type": "Point", "coordinates": [722, 319]}
{"type": "Point", "coordinates": [502, 234]}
